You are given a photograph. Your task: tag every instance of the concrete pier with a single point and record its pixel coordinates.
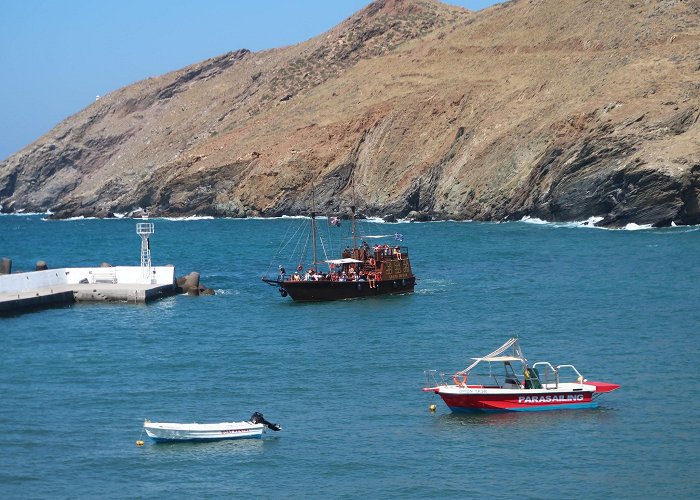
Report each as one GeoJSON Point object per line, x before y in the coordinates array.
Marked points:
{"type": "Point", "coordinates": [55, 287]}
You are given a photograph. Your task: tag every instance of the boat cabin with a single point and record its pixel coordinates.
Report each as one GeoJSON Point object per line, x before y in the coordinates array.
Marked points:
{"type": "Point", "coordinates": [508, 371]}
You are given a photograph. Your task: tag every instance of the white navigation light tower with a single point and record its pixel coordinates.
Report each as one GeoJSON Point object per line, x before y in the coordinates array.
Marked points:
{"type": "Point", "coordinates": [145, 230]}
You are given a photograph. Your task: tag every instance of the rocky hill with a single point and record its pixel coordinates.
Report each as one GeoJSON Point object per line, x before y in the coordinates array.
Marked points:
{"type": "Point", "coordinates": [558, 109]}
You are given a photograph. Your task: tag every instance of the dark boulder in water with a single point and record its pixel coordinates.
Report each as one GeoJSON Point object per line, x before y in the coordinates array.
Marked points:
{"type": "Point", "coordinates": [190, 285]}
{"type": "Point", "coordinates": [6, 265]}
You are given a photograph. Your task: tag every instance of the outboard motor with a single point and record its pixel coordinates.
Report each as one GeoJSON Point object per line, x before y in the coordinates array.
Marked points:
{"type": "Point", "coordinates": [257, 418]}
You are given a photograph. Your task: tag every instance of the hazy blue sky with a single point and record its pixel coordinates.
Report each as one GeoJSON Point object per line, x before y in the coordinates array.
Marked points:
{"type": "Point", "coordinates": [57, 55]}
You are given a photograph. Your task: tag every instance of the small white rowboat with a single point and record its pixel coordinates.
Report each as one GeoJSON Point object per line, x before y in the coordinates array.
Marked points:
{"type": "Point", "coordinates": [172, 431]}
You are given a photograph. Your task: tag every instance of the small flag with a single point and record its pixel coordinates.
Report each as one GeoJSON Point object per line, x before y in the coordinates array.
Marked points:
{"type": "Point", "coordinates": [398, 236]}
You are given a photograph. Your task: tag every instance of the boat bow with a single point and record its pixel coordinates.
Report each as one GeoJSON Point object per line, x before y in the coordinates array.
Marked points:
{"type": "Point", "coordinates": [603, 386]}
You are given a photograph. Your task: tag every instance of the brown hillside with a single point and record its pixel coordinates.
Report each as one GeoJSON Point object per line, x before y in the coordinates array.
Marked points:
{"type": "Point", "coordinates": [560, 109]}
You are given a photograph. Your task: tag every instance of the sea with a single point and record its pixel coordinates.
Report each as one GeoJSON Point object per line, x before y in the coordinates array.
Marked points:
{"type": "Point", "coordinates": [344, 378]}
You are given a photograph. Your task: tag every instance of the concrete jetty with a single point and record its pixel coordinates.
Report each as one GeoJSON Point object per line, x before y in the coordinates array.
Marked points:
{"type": "Point", "coordinates": [53, 287]}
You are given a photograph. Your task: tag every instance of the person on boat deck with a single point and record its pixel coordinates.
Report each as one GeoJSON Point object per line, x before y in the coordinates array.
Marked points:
{"type": "Point", "coordinates": [296, 277]}
{"type": "Point", "coordinates": [362, 254]}
{"type": "Point", "coordinates": [343, 277]}
{"type": "Point", "coordinates": [372, 279]}
{"type": "Point", "coordinates": [364, 251]}
{"type": "Point", "coordinates": [387, 249]}
{"type": "Point", "coordinates": [397, 252]}
{"type": "Point", "coordinates": [282, 272]}
{"type": "Point", "coordinates": [346, 253]}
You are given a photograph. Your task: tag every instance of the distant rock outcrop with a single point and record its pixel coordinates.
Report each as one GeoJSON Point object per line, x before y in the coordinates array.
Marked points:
{"type": "Point", "coordinates": [558, 109]}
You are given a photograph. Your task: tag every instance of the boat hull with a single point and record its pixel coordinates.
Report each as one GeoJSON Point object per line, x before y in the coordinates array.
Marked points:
{"type": "Point", "coordinates": [506, 401]}
{"type": "Point", "coordinates": [316, 291]}
{"type": "Point", "coordinates": [172, 432]}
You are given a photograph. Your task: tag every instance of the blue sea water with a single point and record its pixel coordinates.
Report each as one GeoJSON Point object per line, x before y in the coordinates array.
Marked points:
{"type": "Point", "coordinates": [344, 378]}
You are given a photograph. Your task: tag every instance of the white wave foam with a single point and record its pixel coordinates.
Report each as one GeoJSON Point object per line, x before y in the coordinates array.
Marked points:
{"type": "Point", "coordinates": [26, 214]}
{"type": "Point", "coordinates": [533, 220]}
{"type": "Point", "coordinates": [189, 218]}
{"type": "Point", "coordinates": [375, 220]}
{"type": "Point", "coordinates": [637, 227]}
{"type": "Point", "coordinates": [588, 223]}
{"type": "Point", "coordinates": [591, 221]}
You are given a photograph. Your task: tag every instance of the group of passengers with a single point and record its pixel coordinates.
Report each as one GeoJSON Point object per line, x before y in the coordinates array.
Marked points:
{"type": "Point", "coordinates": [381, 252]}
{"type": "Point", "coordinates": [350, 274]}
{"type": "Point", "coordinates": [368, 270]}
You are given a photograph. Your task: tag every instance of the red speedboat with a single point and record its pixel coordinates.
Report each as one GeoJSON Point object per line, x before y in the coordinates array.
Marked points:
{"type": "Point", "coordinates": [515, 385]}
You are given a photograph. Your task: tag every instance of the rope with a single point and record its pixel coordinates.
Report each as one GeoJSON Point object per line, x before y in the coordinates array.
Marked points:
{"type": "Point", "coordinates": [139, 441]}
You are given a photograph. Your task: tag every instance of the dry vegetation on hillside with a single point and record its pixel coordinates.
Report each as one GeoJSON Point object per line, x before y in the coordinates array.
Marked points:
{"type": "Point", "coordinates": [560, 109]}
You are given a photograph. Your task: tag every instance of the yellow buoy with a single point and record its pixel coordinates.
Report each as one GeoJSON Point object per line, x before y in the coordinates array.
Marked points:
{"type": "Point", "coordinates": [433, 407]}
{"type": "Point", "coordinates": [139, 443]}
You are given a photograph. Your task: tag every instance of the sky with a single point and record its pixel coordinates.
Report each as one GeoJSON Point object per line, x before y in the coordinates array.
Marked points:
{"type": "Point", "coordinates": [56, 56]}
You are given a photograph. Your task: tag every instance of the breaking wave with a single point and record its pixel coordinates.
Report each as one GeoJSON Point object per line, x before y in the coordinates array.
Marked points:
{"type": "Point", "coordinates": [588, 223]}
{"type": "Point", "coordinates": [25, 214]}
{"type": "Point", "coordinates": [187, 218]}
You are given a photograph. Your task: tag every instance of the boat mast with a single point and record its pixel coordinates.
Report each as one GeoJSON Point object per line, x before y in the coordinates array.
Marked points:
{"type": "Point", "coordinates": [313, 223]}
{"type": "Point", "coordinates": [354, 239]}
{"type": "Point", "coordinates": [352, 210]}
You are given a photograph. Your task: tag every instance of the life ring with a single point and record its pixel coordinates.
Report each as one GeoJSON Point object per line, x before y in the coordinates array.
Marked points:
{"type": "Point", "coordinates": [458, 382]}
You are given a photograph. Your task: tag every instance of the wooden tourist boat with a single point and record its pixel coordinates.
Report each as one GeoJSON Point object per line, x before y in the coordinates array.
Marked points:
{"type": "Point", "coordinates": [173, 432]}
{"type": "Point", "coordinates": [360, 270]}
{"type": "Point", "coordinates": [517, 387]}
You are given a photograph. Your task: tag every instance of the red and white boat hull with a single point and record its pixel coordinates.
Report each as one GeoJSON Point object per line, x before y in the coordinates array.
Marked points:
{"type": "Point", "coordinates": [491, 399]}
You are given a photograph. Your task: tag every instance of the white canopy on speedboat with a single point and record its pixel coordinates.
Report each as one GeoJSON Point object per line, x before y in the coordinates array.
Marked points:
{"type": "Point", "coordinates": [342, 261]}
{"type": "Point", "coordinates": [516, 355]}
{"type": "Point", "coordinates": [498, 358]}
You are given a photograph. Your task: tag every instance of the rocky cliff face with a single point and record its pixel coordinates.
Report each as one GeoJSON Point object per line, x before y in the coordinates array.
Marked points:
{"type": "Point", "coordinates": [558, 109]}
